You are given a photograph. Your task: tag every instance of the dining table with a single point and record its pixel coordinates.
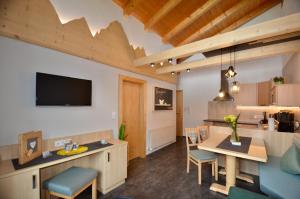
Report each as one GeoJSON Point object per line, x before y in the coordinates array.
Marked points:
{"type": "Point", "coordinates": [251, 149]}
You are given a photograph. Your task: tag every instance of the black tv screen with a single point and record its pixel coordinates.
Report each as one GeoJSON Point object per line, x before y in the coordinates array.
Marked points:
{"type": "Point", "coordinates": [54, 90]}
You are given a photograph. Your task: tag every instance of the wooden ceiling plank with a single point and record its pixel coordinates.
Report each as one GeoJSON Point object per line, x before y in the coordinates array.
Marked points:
{"type": "Point", "coordinates": [131, 6]}
{"type": "Point", "coordinates": [256, 12]}
{"type": "Point", "coordinates": [171, 4]}
{"type": "Point", "coordinates": [251, 15]}
{"type": "Point", "coordinates": [241, 56]}
{"type": "Point", "coordinates": [271, 28]}
{"type": "Point", "coordinates": [241, 5]}
{"type": "Point", "coordinates": [189, 20]}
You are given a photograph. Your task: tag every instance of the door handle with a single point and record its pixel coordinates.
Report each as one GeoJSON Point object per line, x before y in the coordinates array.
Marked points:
{"type": "Point", "coordinates": [108, 156]}
{"type": "Point", "coordinates": [33, 181]}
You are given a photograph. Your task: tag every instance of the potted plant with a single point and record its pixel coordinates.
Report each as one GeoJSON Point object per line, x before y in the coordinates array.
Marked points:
{"type": "Point", "coordinates": [232, 121]}
{"type": "Point", "coordinates": [122, 132]}
{"type": "Point", "coordinates": [278, 80]}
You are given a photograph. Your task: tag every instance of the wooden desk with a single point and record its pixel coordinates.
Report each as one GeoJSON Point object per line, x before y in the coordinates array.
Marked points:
{"type": "Point", "coordinates": [257, 152]}
{"type": "Point", "coordinates": [110, 162]}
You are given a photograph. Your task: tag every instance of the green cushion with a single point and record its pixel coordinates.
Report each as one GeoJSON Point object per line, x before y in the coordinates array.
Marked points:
{"type": "Point", "coordinates": [290, 161]}
{"type": "Point", "coordinates": [238, 193]}
{"type": "Point", "coordinates": [297, 141]}
{"type": "Point", "coordinates": [202, 155]}
{"type": "Point", "coordinates": [70, 181]}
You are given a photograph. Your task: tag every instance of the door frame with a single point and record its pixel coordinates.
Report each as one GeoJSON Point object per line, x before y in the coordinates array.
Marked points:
{"type": "Point", "coordinates": [143, 108]}
{"type": "Point", "coordinates": [179, 91]}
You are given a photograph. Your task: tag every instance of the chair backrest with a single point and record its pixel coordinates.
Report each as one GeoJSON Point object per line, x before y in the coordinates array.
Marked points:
{"type": "Point", "coordinates": [192, 136]}
{"type": "Point", "coordinates": [204, 132]}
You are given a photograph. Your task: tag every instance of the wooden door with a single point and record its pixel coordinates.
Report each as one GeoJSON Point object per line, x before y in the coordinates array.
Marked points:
{"type": "Point", "coordinates": [132, 114]}
{"type": "Point", "coordinates": [179, 112]}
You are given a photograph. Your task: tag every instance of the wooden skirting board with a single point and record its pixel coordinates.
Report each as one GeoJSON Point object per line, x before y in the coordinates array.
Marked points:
{"type": "Point", "coordinates": [36, 22]}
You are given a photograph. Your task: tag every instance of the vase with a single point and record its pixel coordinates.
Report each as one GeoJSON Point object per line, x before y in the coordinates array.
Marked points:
{"type": "Point", "coordinates": [235, 139]}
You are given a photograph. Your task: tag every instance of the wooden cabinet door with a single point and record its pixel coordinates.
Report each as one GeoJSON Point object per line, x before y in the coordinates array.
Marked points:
{"type": "Point", "coordinates": [288, 95]}
{"type": "Point", "coordinates": [247, 95]}
{"type": "Point", "coordinates": [115, 170]}
{"type": "Point", "coordinates": [21, 186]}
{"type": "Point", "coordinates": [264, 93]}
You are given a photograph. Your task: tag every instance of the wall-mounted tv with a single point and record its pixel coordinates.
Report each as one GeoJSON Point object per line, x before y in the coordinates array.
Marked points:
{"type": "Point", "coordinates": [54, 90]}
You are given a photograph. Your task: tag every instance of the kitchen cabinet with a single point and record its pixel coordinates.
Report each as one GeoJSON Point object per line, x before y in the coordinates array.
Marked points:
{"type": "Point", "coordinates": [247, 96]}
{"type": "Point", "coordinates": [24, 185]}
{"type": "Point", "coordinates": [286, 95]}
{"type": "Point", "coordinates": [263, 93]}
{"type": "Point", "coordinates": [114, 171]}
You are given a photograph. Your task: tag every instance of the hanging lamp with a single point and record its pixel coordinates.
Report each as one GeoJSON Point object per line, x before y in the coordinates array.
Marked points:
{"type": "Point", "coordinates": [230, 73]}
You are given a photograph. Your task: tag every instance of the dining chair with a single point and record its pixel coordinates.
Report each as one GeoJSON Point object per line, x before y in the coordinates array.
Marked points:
{"type": "Point", "coordinates": [194, 136]}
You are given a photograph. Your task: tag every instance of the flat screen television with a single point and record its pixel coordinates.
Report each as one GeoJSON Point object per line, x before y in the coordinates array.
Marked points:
{"type": "Point", "coordinates": [54, 90]}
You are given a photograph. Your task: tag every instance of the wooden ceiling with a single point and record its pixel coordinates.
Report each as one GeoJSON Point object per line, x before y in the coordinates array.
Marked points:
{"type": "Point", "coordinates": [179, 22]}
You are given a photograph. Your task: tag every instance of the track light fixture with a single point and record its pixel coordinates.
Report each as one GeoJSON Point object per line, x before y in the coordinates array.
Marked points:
{"type": "Point", "coordinates": [188, 70]}
{"type": "Point", "coordinates": [152, 65]}
{"type": "Point", "coordinates": [172, 73]}
{"type": "Point", "coordinates": [170, 60]}
{"type": "Point", "coordinates": [161, 63]}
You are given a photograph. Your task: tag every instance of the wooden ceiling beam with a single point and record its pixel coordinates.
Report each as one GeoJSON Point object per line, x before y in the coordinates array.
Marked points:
{"type": "Point", "coordinates": [275, 27]}
{"type": "Point", "coordinates": [190, 19]}
{"type": "Point", "coordinates": [167, 7]}
{"type": "Point", "coordinates": [251, 15]}
{"type": "Point", "coordinates": [240, 56]}
{"type": "Point", "coordinates": [130, 6]}
{"type": "Point", "coordinates": [203, 30]}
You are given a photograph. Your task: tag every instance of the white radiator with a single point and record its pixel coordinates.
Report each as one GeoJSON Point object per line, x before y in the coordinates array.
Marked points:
{"type": "Point", "coordinates": [160, 137]}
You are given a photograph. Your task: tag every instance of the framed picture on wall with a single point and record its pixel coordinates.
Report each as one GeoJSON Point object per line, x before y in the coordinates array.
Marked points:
{"type": "Point", "coordinates": [163, 99]}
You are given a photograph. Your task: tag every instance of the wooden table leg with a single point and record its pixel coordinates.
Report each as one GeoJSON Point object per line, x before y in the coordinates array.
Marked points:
{"type": "Point", "coordinates": [239, 175]}
{"type": "Point", "coordinates": [230, 177]}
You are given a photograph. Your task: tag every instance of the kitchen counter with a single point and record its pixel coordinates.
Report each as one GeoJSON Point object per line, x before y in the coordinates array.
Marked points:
{"type": "Point", "coordinates": [241, 123]}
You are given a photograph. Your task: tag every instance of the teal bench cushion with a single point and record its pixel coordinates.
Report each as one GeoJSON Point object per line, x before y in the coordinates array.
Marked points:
{"type": "Point", "coordinates": [276, 183]}
{"type": "Point", "coordinates": [70, 181]}
{"type": "Point", "coordinates": [238, 193]}
{"type": "Point", "coordinates": [290, 161]}
{"type": "Point", "coordinates": [202, 155]}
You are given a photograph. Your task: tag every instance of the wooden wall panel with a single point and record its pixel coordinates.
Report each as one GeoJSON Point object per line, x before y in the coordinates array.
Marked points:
{"type": "Point", "coordinates": [36, 21]}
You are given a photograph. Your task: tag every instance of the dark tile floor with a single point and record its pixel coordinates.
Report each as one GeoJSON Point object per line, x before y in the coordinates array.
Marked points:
{"type": "Point", "coordinates": [162, 174]}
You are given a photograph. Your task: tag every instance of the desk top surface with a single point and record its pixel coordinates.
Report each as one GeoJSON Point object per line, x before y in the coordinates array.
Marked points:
{"type": "Point", "coordinates": [7, 168]}
{"type": "Point", "coordinates": [256, 152]}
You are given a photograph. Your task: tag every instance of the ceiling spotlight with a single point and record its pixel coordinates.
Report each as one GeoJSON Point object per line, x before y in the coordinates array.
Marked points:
{"type": "Point", "coordinates": [161, 63]}
{"type": "Point", "coordinates": [235, 87]}
{"type": "Point", "coordinates": [188, 70]}
{"type": "Point", "coordinates": [230, 72]}
{"type": "Point", "coordinates": [170, 60]}
{"type": "Point", "coordinates": [172, 73]}
{"type": "Point", "coordinates": [152, 65]}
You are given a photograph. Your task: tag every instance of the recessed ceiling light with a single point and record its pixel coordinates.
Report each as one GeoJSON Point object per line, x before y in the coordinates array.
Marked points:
{"type": "Point", "coordinates": [161, 63]}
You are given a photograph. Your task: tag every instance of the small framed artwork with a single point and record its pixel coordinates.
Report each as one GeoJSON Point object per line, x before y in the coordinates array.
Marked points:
{"type": "Point", "coordinates": [163, 99]}
{"type": "Point", "coordinates": [30, 146]}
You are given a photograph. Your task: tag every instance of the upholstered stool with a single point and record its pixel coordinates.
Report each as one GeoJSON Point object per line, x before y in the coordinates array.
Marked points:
{"type": "Point", "coordinates": [71, 182]}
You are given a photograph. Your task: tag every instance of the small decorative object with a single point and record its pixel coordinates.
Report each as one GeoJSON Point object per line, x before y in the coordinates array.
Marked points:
{"type": "Point", "coordinates": [232, 121]}
{"type": "Point", "coordinates": [163, 99]}
{"type": "Point", "coordinates": [122, 132]}
{"type": "Point", "coordinates": [278, 80]}
{"type": "Point", "coordinates": [47, 154]}
{"type": "Point", "coordinates": [79, 150]}
{"type": "Point", "coordinates": [30, 146]}
{"type": "Point", "coordinates": [103, 141]}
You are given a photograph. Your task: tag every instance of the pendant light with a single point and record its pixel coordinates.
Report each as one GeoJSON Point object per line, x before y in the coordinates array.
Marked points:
{"type": "Point", "coordinates": [235, 88]}
{"type": "Point", "coordinates": [230, 73]}
{"type": "Point", "coordinates": [221, 92]}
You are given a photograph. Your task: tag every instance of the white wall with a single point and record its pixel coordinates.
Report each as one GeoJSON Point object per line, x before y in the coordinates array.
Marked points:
{"type": "Point", "coordinates": [292, 69]}
{"type": "Point", "coordinates": [202, 85]}
{"type": "Point", "coordinates": [20, 61]}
